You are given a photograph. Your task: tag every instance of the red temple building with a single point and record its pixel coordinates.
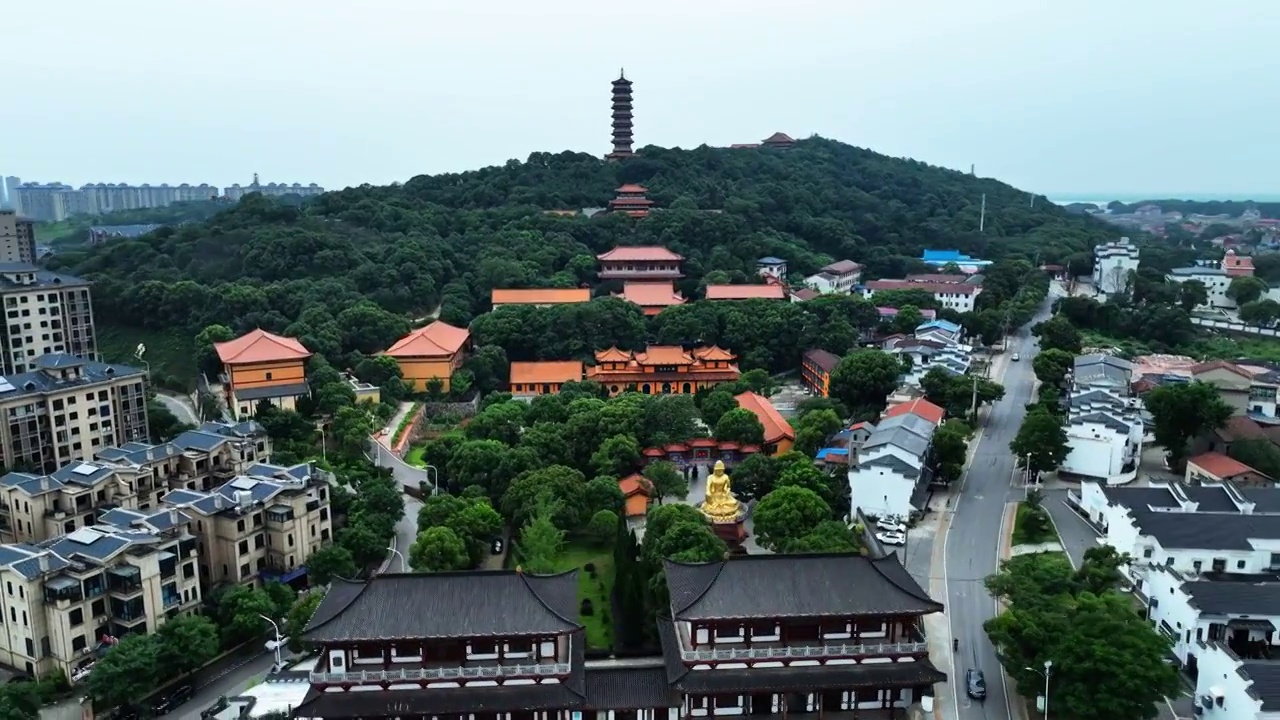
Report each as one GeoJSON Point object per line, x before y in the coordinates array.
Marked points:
{"type": "Point", "coordinates": [780, 141]}
{"type": "Point", "coordinates": [640, 263]}
{"type": "Point", "coordinates": [621, 118]}
{"type": "Point", "coordinates": [663, 369]}
{"type": "Point", "coordinates": [632, 200]}
{"type": "Point", "coordinates": [699, 452]}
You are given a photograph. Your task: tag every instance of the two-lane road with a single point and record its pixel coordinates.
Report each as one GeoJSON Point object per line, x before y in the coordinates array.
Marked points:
{"type": "Point", "coordinates": [972, 544]}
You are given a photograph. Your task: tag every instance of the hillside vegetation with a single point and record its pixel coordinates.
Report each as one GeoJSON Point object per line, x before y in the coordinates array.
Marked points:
{"type": "Point", "coordinates": [445, 241]}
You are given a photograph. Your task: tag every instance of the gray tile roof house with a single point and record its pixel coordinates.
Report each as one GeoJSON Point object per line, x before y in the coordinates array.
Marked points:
{"type": "Point", "coordinates": [1103, 370]}
{"type": "Point", "coordinates": [1236, 598]}
{"type": "Point", "coordinates": [1206, 530]}
{"type": "Point", "coordinates": [1102, 419]}
{"type": "Point", "coordinates": [26, 276]}
{"type": "Point", "coordinates": [44, 380]}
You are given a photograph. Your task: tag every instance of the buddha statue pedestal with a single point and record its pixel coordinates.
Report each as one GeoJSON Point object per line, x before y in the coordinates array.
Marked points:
{"type": "Point", "coordinates": [723, 510]}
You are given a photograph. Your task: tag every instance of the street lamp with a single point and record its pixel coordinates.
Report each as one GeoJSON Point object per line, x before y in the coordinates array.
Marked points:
{"type": "Point", "coordinates": [278, 643]}
{"type": "Point", "coordinates": [1048, 670]}
{"type": "Point", "coordinates": [433, 477]}
{"type": "Point", "coordinates": [394, 551]}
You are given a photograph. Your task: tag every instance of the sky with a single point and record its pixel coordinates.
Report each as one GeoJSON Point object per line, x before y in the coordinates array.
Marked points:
{"type": "Point", "coordinates": [1114, 97]}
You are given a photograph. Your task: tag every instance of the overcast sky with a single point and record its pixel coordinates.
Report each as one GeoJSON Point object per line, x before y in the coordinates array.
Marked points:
{"type": "Point", "coordinates": [1106, 96]}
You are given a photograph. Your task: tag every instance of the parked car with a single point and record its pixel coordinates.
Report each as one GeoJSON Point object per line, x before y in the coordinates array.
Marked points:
{"type": "Point", "coordinates": [1016, 357]}
{"type": "Point", "coordinates": [892, 538]}
{"type": "Point", "coordinates": [496, 548]}
{"type": "Point", "coordinates": [167, 702]}
{"type": "Point", "coordinates": [975, 684]}
{"type": "Point", "coordinates": [890, 525]}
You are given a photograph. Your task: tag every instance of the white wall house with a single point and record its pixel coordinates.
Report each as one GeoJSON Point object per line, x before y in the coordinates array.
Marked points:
{"type": "Point", "coordinates": [1113, 262]}
{"type": "Point", "coordinates": [1230, 609]}
{"type": "Point", "coordinates": [890, 477]}
{"type": "Point", "coordinates": [954, 296]}
{"type": "Point", "coordinates": [839, 277]}
{"type": "Point", "coordinates": [1228, 688]}
{"type": "Point", "coordinates": [772, 267]}
{"type": "Point", "coordinates": [1215, 280]}
{"type": "Point", "coordinates": [1102, 372]}
{"type": "Point", "coordinates": [1104, 432]}
{"type": "Point", "coordinates": [1190, 529]}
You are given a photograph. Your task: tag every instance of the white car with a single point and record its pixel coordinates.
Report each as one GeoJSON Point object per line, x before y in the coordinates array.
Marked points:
{"type": "Point", "coordinates": [892, 538]}
{"type": "Point", "coordinates": [890, 525]}
{"type": "Point", "coordinates": [1016, 357]}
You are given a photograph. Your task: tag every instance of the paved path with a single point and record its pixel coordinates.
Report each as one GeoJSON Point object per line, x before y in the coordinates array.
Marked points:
{"type": "Point", "coordinates": [1077, 535]}
{"type": "Point", "coordinates": [974, 531]}
{"type": "Point", "coordinates": [180, 405]}
{"type": "Point", "coordinates": [408, 476]}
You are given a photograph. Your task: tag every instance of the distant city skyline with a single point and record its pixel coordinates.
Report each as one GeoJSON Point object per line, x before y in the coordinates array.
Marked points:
{"type": "Point", "coordinates": [1166, 95]}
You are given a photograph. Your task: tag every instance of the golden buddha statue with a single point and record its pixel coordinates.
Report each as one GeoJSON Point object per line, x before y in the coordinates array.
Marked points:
{"type": "Point", "coordinates": [720, 504]}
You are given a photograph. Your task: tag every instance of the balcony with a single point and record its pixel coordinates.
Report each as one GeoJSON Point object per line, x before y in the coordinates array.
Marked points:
{"type": "Point", "coordinates": [635, 273]}
{"type": "Point", "coordinates": [453, 673]}
{"type": "Point", "coordinates": [802, 652]}
{"type": "Point", "coordinates": [124, 580]}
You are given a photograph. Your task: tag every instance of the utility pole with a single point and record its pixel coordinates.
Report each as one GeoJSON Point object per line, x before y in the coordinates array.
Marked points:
{"type": "Point", "coordinates": [973, 407]}
{"type": "Point", "coordinates": [982, 217]}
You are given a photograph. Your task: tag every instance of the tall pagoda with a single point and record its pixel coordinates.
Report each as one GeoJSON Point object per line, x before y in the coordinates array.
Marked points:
{"type": "Point", "coordinates": [621, 118]}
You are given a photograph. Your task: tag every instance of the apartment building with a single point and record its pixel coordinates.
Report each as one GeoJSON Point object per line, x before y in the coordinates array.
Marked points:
{"type": "Point", "coordinates": [1113, 262]}
{"type": "Point", "coordinates": [134, 476]}
{"type": "Point", "coordinates": [235, 192]}
{"type": "Point", "coordinates": [63, 598]}
{"type": "Point", "coordinates": [49, 202]}
{"type": "Point", "coordinates": [45, 312]}
{"type": "Point", "coordinates": [839, 277]}
{"type": "Point", "coordinates": [67, 409]}
{"type": "Point", "coordinates": [17, 238]}
{"type": "Point", "coordinates": [102, 198]}
{"type": "Point", "coordinates": [11, 183]}
{"type": "Point", "coordinates": [260, 526]}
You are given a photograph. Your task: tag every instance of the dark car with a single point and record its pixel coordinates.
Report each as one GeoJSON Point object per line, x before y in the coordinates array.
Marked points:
{"type": "Point", "coordinates": [170, 700]}
{"type": "Point", "coordinates": [975, 684]}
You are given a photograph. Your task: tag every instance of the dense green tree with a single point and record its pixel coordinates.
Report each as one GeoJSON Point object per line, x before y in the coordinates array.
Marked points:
{"type": "Point", "coordinates": [540, 545]}
{"type": "Point", "coordinates": [949, 450]}
{"type": "Point", "coordinates": [556, 488]}
{"type": "Point", "coordinates": [1192, 294]}
{"type": "Point", "coordinates": [787, 514]}
{"type": "Point", "coordinates": [329, 562]}
{"type": "Point", "coordinates": [813, 428]}
{"type": "Point", "coordinates": [439, 549]}
{"type": "Point", "coordinates": [617, 456]}
{"type": "Point", "coordinates": [1052, 366]}
{"type": "Point", "coordinates": [1183, 411]}
{"type": "Point", "coordinates": [1260, 312]}
{"type": "Point", "coordinates": [240, 612]}
{"type": "Point", "coordinates": [741, 426]}
{"type": "Point", "coordinates": [666, 480]}
{"type": "Point", "coordinates": [603, 527]}
{"type": "Point", "coordinates": [1259, 453]}
{"type": "Point", "coordinates": [831, 536]}
{"type": "Point", "coordinates": [185, 644]}
{"type": "Point", "coordinates": [755, 477]}
{"type": "Point", "coordinates": [1041, 442]}
{"type": "Point", "coordinates": [1057, 333]}
{"type": "Point", "coordinates": [128, 672]}
{"type": "Point", "coordinates": [715, 405]}
{"type": "Point", "coordinates": [1246, 289]}
{"type": "Point", "coordinates": [864, 379]}
{"type": "Point", "coordinates": [295, 621]}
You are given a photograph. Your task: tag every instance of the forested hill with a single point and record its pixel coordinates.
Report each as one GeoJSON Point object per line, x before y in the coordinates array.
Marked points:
{"type": "Point", "coordinates": [451, 238]}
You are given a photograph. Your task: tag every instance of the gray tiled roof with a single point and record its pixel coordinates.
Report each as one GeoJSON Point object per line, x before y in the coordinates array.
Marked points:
{"type": "Point", "coordinates": [891, 462]}
{"type": "Point", "coordinates": [44, 279]}
{"type": "Point", "coordinates": [1265, 675]}
{"type": "Point", "coordinates": [1223, 598]}
{"type": "Point", "coordinates": [899, 437]}
{"type": "Point", "coordinates": [910, 422]}
{"type": "Point", "coordinates": [821, 585]}
{"type": "Point", "coordinates": [1192, 271]}
{"type": "Point", "coordinates": [1101, 419]}
{"type": "Point", "coordinates": [38, 382]}
{"type": "Point", "coordinates": [629, 688]}
{"type": "Point", "coordinates": [1210, 531]}
{"type": "Point", "coordinates": [273, 391]}
{"type": "Point", "coordinates": [458, 604]}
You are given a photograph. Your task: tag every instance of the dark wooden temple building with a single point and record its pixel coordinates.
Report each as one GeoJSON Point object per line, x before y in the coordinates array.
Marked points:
{"type": "Point", "coordinates": [797, 635]}
{"type": "Point", "coordinates": [785, 635]}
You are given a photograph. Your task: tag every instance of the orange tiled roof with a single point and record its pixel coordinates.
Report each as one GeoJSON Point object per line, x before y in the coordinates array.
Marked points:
{"type": "Point", "coordinates": [651, 294]}
{"type": "Point", "coordinates": [664, 355]}
{"type": "Point", "coordinates": [632, 188]}
{"type": "Point", "coordinates": [776, 427]}
{"type": "Point", "coordinates": [1220, 365]}
{"type": "Point", "coordinates": [1219, 465]}
{"type": "Point", "coordinates": [715, 353]}
{"type": "Point", "coordinates": [745, 292]}
{"type": "Point", "coordinates": [779, 137]}
{"type": "Point", "coordinates": [260, 346]}
{"type": "Point", "coordinates": [546, 371]}
{"type": "Point", "coordinates": [613, 355]}
{"type": "Point", "coordinates": [439, 339]}
{"type": "Point", "coordinates": [626, 253]}
{"type": "Point", "coordinates": [919, 406]}
{"type": "Point", "coordinates": [540, 296]}
{"type": "Point", "coordinates": [636, 489]}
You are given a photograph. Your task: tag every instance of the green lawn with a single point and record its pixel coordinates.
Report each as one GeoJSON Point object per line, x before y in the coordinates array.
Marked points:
{"type": "Point", "coordinates": [170, 354]}
{"type": "Point", "coordinates": [598, 589]}
{"type": "Point", "coordinates": [414, 456]}
{"type": "Point", "coordinates": [1032, 526]}
{"type": "Point", "coordinates": [1205, 347]}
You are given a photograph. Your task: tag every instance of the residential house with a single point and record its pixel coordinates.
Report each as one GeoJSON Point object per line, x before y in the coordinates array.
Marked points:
{"type": "Point", "coordinates": [545, 377]}
{"type": "Point", "coordinates": [260, 366]}
{"type": "Point", "coordinates": [839, 278]}
{"type": "Point", "coordinates": [926, 354]}
{"type": "Point", "coordinates": [1102, 372]}
{"type": "Point", "coordinates": [1228, 688]}
{"type": "Point", "coordinates": [1215, 279]}
{"type": "Point", "coordinates": [539, 297]}
{"type": "Point", "coordinates": [803, 294]}
{"type": "Point", "coordinates": [746, 292]}
{"type": "Point", "coordinates": [940, 330]}
{"type": "Point", "coordinates": [772, 267]}
{"type": "Point", "coordinates": [953, 296]}
{"type": "Point", "coordinates": [778, 435]}
{"type": "Point", "coordinates": [1232, 382]}
{"type": "Point", "coordinates": [1113, 263]}
{"type": "Point", "coordinates": [1104, 433]}
{"type": "Point", "coordinates": [128, 573]}
{"type": "Point", "coordinates": [816, 367]}
{"type": "Point", "coordinates": [66, 409]}
{"type": "Point", "coordinates": [890, 474]}
{"type": "Point", "coordinates": [887, 314]}
{"type": "Point", "coordinates": [431, 353]}
{"type": "Point", "coordinates": [1238, 611]}
{"type": "Point", "coordinates": [1218, 527]}
{"type": "Point", "coordinates": [943, 258]}
{"type": "Point", "coordinates": [663, 369]}
{"type": "Point", "coordinates": [640, 263]}
{"type": "Point", "coordinates": [1236, 429]}
{"type": "Point", "coordinates": [652, 297]}
{"type": "Point", "coordinates": [261, 526]}
{"type": "Point", "coordinates": [1213, 467]}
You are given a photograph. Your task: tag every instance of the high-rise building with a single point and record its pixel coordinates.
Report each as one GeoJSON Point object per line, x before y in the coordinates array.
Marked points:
{"type": "Point", "coordinates": [235, 192]}
{"type": "Point", "coordinates": [102, 198]}
{"type": "Point", "coordinates": [17, 238]}
{"type": "Point", "coordinates": [621, 118]}
{"type": "Point", "coordinates": [45, 312]}
{"type": "Point", "coordinates": [50, 202]}
{"type": "Point", "coordinates": [11, 183]}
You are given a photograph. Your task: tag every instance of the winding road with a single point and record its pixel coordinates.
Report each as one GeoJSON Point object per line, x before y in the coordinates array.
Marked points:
{"type": "Point", "coordinates": [971, 545]}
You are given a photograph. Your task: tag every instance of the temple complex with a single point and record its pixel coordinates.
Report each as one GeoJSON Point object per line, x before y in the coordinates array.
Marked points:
{"type": "Point", "coordinates": [652, 297]}
{"type": "Point", "coordinates": [640, 262]}
{"type": "Point", "coordinates": [779, 141]}
{"type": "Point", "coordinates": [632, 200]}
{"type": "Point", "coordinates": [663, 369]}
{"type": "Point", "coordinates": [621, 118]}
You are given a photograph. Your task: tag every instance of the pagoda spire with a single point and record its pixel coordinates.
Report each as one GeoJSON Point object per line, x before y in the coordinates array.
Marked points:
{"type": "Point", "coordinates": [621, 117]}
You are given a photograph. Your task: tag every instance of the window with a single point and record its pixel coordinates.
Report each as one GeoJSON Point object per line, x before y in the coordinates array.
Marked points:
{"type": "Point", "coordinates": [244, 547]}
{"type": "Point", "coordinates": [76, 617]}
{"type": "Point", "coordinates": [78, 643]}
{"type": "Point", "coordinates": [244, 570]}
{"type": "Point", "coordinates": [99, 608]}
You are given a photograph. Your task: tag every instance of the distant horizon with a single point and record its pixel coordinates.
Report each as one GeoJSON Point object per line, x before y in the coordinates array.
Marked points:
{"type": "Point", "coordinates": [1129, 198]}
